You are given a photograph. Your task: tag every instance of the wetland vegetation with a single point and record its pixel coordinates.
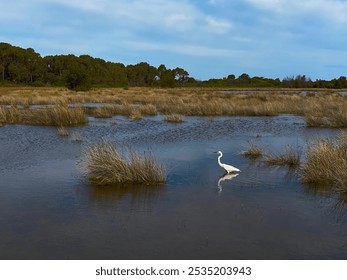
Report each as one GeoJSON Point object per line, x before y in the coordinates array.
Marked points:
{"type": "Point", "coordinates": [165, 184]}
{"type": "Point", "coordinates": [51, 195]}
{"type": "Point", "coordinates": [63, 108]}
{"type": "Point", "coordinates": [104, 164]}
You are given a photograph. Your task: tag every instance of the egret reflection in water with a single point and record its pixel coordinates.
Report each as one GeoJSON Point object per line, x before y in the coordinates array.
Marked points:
{"type": "Point", "coordinates": [226, 176]}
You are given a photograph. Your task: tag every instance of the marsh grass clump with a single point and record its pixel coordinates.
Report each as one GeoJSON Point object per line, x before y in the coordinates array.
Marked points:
{"type": "Point", "coordinates": [326, 162]}
{"type": "Point", "coordinates": [62, 131]}
{"type": "Point", "coordinates": [56, 116]}
{"type": "Point", "coordinates": [148, 110]}
{"type": "Point", "coordinates": [174, 118]}
{"type": "Point", "coordinates": [10, 115]}
{"type": "Point", "coordinates": [103, 112]}
{"type": "Point", "coordinates": [76, 137]}
{"type": "Point", "coordinates": [136, 114]}
{"type": "Point", "coordinates": [290, 157]}
{"type": "Point", "coordinates": [253, 151]}
{"type": "Point", "coordinates": [335, 118]}
{"type": "Point", "coordinates": [105, 165]}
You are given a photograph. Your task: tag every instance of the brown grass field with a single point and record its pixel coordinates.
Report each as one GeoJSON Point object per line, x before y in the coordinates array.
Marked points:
{"type": "Point", "coordinates": [324, 109]}
{"type": "Point", "coordinates": [325, 160]}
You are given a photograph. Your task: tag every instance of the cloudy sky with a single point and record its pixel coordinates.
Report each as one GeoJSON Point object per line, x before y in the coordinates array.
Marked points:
{"type": "Point", "coordinates": [208, 38]}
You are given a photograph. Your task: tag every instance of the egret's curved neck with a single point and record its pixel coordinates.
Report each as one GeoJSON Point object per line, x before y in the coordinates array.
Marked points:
{"type": "Point", "coordinates": [219, 159]}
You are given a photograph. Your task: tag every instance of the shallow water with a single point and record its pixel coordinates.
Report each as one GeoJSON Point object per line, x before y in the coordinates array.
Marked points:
{"type": "Point", "coordinates": [50, 211]}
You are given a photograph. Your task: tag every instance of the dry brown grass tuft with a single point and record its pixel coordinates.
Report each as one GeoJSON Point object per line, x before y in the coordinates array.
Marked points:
{"type": "Point", "coordinates": [136, 114]}
{"type": "Point", "coordinates": [175, 118]}
{"type": "Point", "coordinates": [62, 131]}
{"type": "Point", "coordinates": [326, 162]}
{"type": "Point", "coordinates": [10, 115]}
{"type": "Point", "coordinates": [56, 116]}
{"type": "Point", "coordinates": [330, 118]}
{"type": "Point", "coordinates": [253, 151]}
{"type": "Point", "coordinates": [103, 112]}
{"type": "Point", "coordinates": [104, 165]}
{"type": "Point", "coordinates": [290, 157]}
{"type": "Point", "coordinates": [148, 110]}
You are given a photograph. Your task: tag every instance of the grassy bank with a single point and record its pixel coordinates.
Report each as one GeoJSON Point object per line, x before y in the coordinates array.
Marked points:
{"type": "Point", "coordinates": [322, 109]}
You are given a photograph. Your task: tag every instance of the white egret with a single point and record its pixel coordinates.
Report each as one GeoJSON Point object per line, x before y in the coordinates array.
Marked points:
{"type": "Point", "coordinates": [227, 167]}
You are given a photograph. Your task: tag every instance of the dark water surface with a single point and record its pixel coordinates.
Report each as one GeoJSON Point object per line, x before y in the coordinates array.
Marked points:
{"type": "Point", "coordinates": [48, 210]}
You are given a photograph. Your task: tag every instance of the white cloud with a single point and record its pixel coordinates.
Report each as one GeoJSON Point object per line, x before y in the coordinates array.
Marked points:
{"type": "Point", "coordinates": [172, 14]}
{"type": "Point", "coordinates": [218, 25]}
{"type": "Point", "coordinates": [184, 49]}
{"type": "Point", "coordinates": [331, 10]}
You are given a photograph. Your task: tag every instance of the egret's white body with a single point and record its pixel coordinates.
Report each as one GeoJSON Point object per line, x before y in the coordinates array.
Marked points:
{"type": "Point", "coordinates": [227, 167]}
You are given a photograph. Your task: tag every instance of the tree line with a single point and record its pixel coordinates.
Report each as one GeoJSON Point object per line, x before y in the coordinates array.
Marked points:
{"type": "Point", "coordinates": [19, 66]}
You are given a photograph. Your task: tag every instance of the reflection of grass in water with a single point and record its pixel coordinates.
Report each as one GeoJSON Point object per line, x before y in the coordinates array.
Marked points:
{"type": "Point", "coordinates": [140, 194]}
{"type": "Point", "coordinates": [105, 165]}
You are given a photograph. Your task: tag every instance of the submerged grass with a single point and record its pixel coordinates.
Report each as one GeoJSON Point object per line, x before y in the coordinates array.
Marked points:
{"type": "Point", "coordinates": [326, 163]}
{"type": "Point", "coordinates": [105, 165]}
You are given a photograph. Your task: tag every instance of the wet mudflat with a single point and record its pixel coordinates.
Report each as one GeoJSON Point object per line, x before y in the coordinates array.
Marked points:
{"type": "Point", "coordinates": [49, 210]}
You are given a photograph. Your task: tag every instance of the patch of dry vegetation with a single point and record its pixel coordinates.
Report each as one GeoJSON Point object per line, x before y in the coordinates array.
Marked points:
{"type": "Point", "coordinates": [253, 151]}
{"type": "Point", "coordinates": [56, 116]}
{"type": "Point", "coordinates": [290, 157]}
{"type": "Point", "coordinates": [331, 114]}
{"type": "Point", "coordinates": [105, 165]}
{"type": "Point", "coordinates": [62, 131]}
{"type": "Point", "coordinates": [326, 109]}
{"type": "Point", "coordinates": [174, 118]}
{"type": "Point", "coordinates": [326, 162]}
